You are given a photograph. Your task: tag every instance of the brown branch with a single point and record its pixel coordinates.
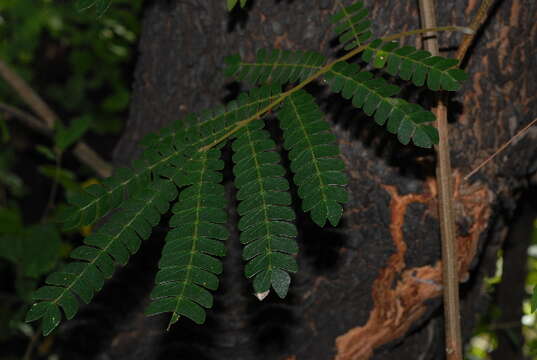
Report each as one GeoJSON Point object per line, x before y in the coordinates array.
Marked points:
{"type": "Point", "coordinates": [29, 96]}
{"type": "Point", "coordinates": [26, 118]}
{"type": "Point", "coordinates": [476, 23]}
{"type": "Point", "coordinates": [501, 148]}
{"type": "Point", "coordinates": [89, 157]}
{"type": "Point", "coordinates": [81, 150]}
{"type": "Point", "coordinates": [450, 276]}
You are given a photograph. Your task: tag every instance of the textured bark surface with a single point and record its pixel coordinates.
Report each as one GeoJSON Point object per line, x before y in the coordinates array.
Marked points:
{"type": "Point", "coordinates": [368, 289]}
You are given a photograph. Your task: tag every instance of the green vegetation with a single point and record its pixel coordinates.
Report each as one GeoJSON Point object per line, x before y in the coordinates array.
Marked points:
{"type": "Point", "coordinates": [184, 157]}
{"type": "Point", "coordinates": [81, 65]}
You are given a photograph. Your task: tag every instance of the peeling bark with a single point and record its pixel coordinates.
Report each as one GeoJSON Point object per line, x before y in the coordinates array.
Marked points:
{"type": "Point", "coordinates": [397, 308]}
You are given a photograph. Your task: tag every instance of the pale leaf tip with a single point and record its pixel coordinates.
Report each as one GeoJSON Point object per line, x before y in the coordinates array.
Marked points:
{"type": "Point", "coordinates": [262, 295]}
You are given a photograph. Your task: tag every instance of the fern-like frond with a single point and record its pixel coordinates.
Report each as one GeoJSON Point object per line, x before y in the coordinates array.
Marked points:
{"type": "Point", "coordinates": [174, 143]}
{"type": "Point", "coordinates": [374, 96]}
{"type": "Point", "coordinates": [209, 124]}
{"type": "Point", "coordinates": [275, 66]}
{"type": "Point", "coordinates": [266, 216]}
{"type": "Point", "coordinates": [111, 244]}
{"type": "Point", "coordinates": [416, 65]}
{"type": "Point", "coordinates": [95, 201]}
{"type": "Point", "coordinates": [352, 25]}
{"type": "Point", "coordinates": [188, 265]}
{"type": "Point", "coordinates": [314, 156]}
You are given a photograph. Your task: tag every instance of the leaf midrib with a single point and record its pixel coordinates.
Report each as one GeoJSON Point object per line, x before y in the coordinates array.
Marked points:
{"type": "Point", "coordinates": [264, 200]}
{"type": "Point", "coordinates": [414, 61]}
{"type": "Point", "coordinates": [347, 18]}
{"type": "Point", "coordinates": [310, 149]}
{"type": "Point", "coordinates": [105, 249]}
{"type": "Point", "coordinates": [193, 248]}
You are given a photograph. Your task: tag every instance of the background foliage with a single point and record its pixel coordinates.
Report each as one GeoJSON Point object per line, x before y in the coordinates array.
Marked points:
{"type": "Point", "coordinates": [81, 64]}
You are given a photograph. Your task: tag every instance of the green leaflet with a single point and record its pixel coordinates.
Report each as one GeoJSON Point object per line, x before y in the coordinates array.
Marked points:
{"type": "Point", "coordinates": [352, 25]}
{"type": "Point", "coordinates": [275, 66]}
{"type": "Point", "coordinates": [174, 143]}
{"type": "Point", "coordinates": [314, 156]}
{"type": "Point", "coordinates": [374, 96]}
{"type": "Point", "coordinates": [265, 211]}
{"type": "Point", "coordinates": [416, 65]}
{"type": "Point", "coordinates": [224, 117]}
{"type": "Point", "coordinates": [112, 244]}
{"type": "Point", "coordinates": [231, 4]}
{"type": "Point", "coordinates": [188, 266]}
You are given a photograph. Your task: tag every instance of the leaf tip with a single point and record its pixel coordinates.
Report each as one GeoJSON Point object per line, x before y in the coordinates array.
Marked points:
{"type": "Point", "coordinates": [262, 295]}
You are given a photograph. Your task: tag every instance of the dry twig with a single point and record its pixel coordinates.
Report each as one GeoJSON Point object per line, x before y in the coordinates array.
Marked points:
{"type": "Point", "coordinates": [81, 150]}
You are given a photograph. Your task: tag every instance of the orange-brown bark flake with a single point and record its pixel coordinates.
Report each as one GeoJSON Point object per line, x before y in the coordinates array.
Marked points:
{"type": "Point", "coordinates": [397, 308]}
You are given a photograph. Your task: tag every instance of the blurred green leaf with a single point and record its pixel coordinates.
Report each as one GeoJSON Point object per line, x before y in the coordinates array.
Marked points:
{"type": "Point", "coordinates": [64, 177]}
{"type": "Point", "coordinates": [116, 102]}
{"type": "Point", "coordinates": [46, 152]}
{"type": "Point", "coordinates": [35, 249]}
{"type": "Point", "coordinates": [10, 220]}
{"type": "Point", "coordinates": [65, 137]}
{"type": "Point", "coordinates": [25, 287]}
{"type": "Point", "coordinates": [100, 5]}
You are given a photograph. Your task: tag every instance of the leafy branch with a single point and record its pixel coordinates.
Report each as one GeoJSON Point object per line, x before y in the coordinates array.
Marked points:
{"type": "Point", "coordinates": [323, 70]}
{"type": "Point", "coordinates": [185, 158]}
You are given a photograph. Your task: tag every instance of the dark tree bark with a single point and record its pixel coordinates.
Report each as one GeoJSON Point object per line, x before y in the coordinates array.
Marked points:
{"type": "Point", "coordinates": [370, 288]}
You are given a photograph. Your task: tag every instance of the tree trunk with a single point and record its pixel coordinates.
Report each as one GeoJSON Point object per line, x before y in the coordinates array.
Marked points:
{"type": "Point", "coordinates": [370, 288]}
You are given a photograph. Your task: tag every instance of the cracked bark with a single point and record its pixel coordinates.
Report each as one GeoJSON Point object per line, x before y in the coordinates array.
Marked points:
{"type": "Point", "coordinates": [374, 281]}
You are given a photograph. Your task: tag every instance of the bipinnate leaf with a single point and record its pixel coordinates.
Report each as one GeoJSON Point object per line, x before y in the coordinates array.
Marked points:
{"type": "Point", "coordinates": [189, 264]}
{"type": "Point", "coordinates": [266, 217]}
{"type": "Point", "coordinates": [375, 96]}
{"type": "Point", "coordinates": [186, 155]}
{"type": "Point", "coordinates": [315, 160]}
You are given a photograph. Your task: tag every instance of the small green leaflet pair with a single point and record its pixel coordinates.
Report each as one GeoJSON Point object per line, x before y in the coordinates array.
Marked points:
{"type": "Point", "coordinates": [181, 170]}
{"type": "Point", "coordinates": [231, 4]}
